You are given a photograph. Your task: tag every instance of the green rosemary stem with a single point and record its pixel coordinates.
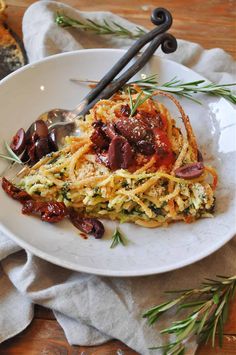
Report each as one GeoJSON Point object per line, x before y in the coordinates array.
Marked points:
{"type": "Point", "coordinates": [208, 305]}
{"type": "Point", "coordinates": [102, 28]}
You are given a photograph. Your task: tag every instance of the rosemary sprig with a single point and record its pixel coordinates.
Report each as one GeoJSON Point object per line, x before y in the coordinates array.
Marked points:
{"type": "Point", "coordinates": [141, 98]}
{"type": "Point", "coordinates": [11, 155]}
{"type": "Point", "coordinates": [103, 28]}
{"type": "Point", "coordinates": [209, 306]}
{"type": "Point", "coordinates": [175, 86]}
{"type": "Point", "coordinates": [117, 239]}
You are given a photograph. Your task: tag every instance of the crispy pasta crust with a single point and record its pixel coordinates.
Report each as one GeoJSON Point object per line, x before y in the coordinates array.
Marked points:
{"type": "Point", "coordinates": [150, 195]}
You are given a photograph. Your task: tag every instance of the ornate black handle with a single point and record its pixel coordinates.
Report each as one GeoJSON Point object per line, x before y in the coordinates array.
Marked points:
{"type": "Point", "coordinates": [168, 44]}
{"type": "Point", "coordinates": [163, 20]}
{"type": "Point", "coordinates": [161, 16]}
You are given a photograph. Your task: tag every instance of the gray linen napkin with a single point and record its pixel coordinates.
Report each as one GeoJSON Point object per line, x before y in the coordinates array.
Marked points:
{"type": "Point", "coordinates": [93, 309]}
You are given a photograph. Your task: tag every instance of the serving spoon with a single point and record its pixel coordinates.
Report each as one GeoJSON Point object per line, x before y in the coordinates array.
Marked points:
{"type": "Point", "coordinates": [47, 132]}
{"type": "Point", "coordinates": [63, 121]}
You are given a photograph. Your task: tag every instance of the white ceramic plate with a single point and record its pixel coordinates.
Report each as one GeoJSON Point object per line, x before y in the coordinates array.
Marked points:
{"type": "Point", "coordinates": [36, 88]}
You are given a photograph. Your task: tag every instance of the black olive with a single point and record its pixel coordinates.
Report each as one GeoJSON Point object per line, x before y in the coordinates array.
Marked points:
{"type": "Point", "coordinates": [31, 152]}
{"type": "Point", "coordinates": [25, 156]}
{"type": "Point", "coordinates": [190, 171]}
{"type": "Point", "coordinates": [18, 142]}
{"type": "Point", "coordinates": [52, 138]}
{"type": "Point", "coordinates": [41, 128]}
{"type": "Point", "coordinates": [42, 147]}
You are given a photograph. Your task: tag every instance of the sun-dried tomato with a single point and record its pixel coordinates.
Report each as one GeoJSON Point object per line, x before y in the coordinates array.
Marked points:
{"type": "Point", "coordinates": [124, 111]}
{"type": "Point", "coordinates": [109, 131]}
{"type": "Point", "coordinates": [51, 211]}
{"type": "Point", "coordinates": [98, 136]}
{"type": "Point", "coordinates": [15, 192]}
{"type": "Point", "coordinates": [164, 152]}
{"type": "Point", "coordinates": [87, 225]}
{"type": "Point", "coordinates": [153, 119]}
{"type": "Point", "coordinates": [146, 148]}
{"type": "Point", "coordinates": [134, 129]}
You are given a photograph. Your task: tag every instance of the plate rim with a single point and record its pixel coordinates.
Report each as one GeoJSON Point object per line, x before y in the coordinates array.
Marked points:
{"type": "Point", "coordinates": [75, 52]}
{"type": "Point", "coordinates": [96, 271]}
{"type": "Point", "coordinates": [112, 273]}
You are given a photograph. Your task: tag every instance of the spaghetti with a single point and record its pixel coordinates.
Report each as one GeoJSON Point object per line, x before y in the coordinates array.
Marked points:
{"type": "Point", "coordinates": [148, 192]}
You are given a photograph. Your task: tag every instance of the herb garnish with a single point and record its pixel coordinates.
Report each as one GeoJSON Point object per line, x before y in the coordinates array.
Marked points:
{"type": "Point", "coordinates": [149, 84]}
{"type": "Point", "coordinates": [209, 304]}
{"type": "Point", "coordinates": [157, 210]}
{"type": "Point", "coordinates": [103, 28]}
{"type": "Point", "coordinates": [11, 155]}
{"type": "Point", "coordinates": [141, 98]}
{"type": "Point", "coordinates": [117, 238]}
{"type": "Point", "coordinates": [64, 191]}
{"type": "Point", "coordinates": [175, 86]}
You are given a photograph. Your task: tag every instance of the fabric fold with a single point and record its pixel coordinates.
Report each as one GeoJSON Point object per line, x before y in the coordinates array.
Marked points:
{"type": "Point", "coordinates": [12, 303]}
{"type": "Point", "coordinates": [93, 309]}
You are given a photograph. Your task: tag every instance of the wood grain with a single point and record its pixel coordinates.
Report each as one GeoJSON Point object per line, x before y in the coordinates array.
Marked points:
{"type": "Point", "coordinates": [45, 336]}
{"type": "Point", "coordinates": [210, 23]}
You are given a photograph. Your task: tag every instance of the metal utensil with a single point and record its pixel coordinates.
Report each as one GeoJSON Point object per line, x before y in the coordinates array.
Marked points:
{"type": "Point", "coordinates": [63, 120]}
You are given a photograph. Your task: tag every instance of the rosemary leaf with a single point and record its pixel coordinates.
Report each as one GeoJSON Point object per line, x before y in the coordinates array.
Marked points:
{"type": "Point", "coordinates": [131, 103]}
{"type": "Point", "coordinates": [141, 98]}
{"type": "Point", "coordinates": [11, 155]}
{"type": "Point", "coordinates": [7, 157]}
{"type": "Point", "coordinates": [171, 349]}
{"type": "Point", "coordinates": [187, 90]}
{"type": "Point", "coordinates": [203, 321]}
{"type": "Point", "coordinates": [191, 304]}
{"type": "Point", "coordinates": [139, 101]}
{"type": "Point", "coordinates": [213, 336]}
{"type": "Point", "coordinates": [117, 239]}
{"type": "Point", "coordinates": [175, 86]}
{"type": "Point", "coordinates": [221, 331]}
{"type": "Point", "coordinates": [216, 298]}
{"type": "Point", "coordinates": [209, 303]}
{"type": "Point", "coordinates": [103, 28]}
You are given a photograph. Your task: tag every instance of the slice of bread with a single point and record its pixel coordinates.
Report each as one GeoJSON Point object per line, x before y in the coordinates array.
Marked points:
{"type": "Point", "coordinates": [12, 52]}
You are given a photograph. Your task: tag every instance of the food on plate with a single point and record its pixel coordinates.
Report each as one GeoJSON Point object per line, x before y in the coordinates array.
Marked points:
{"type": "Point", "coordinates": [12, 52]}
{"type": "Point", "coordinates": [131, 163]}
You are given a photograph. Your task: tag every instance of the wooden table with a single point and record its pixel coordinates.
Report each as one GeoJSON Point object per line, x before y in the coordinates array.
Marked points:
{"type": "Point", "coordinates": [210, 23]}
